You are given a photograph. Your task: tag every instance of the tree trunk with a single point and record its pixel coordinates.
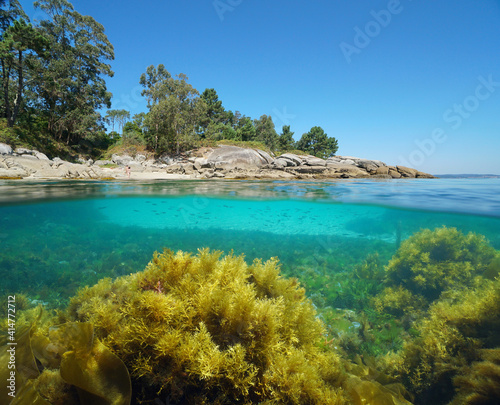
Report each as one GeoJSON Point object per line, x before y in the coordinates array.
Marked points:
{"type": "Point", "coordinates": [6, 75]}
{"type": "Point", "coordinates": [19, 95]}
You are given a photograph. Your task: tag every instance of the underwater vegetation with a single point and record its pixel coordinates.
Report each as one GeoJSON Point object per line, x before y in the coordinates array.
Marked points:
{"type": "Point", "coordinates": [63, 364]}
{"type": "Point", "coordinates": [421, 327]}
{"type": "Point", "coordinates": [430, 262]}
{"type": "Point", "coordinates": [455, 355]}
{"type": "Point", "coordinates": [192, 329]}
{"type": "Point", "coordinates": [212, 329]}
{"type": "Point", "coordinates": [444, 288]}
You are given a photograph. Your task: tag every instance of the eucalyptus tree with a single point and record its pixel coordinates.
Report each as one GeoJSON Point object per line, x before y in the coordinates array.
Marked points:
{"type": "Point", "coordinates": [175, 110]}
{"type": "Point", "coordinates": [70, 84]}
{"type": "Point", "coordinates": [118, 117]}
{"type": "Point", "coordinates": [20, 44]}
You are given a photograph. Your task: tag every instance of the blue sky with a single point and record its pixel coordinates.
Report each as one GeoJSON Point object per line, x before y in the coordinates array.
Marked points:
{"type": "Point", "coordinates": [409, 82]}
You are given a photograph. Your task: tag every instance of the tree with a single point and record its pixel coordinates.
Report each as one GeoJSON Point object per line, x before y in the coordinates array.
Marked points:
{"type": "Point", "coordinates": [20, 42]}
{"type": "Point", "coordinates": [317, 143]}
{"type": "Point", "coordinates": [70, 84]}
{"type": "Point", "coordinates": [10, 10]}
{"type": "Point", "coordinates": [285, 140]}
{"type": "Point", "coordinates": [155, 82]}
{"type": "Point", "coordinates": [118, 117]}
{"type": "Point", "coordinates": [245, 130]}
{"type": "Point", "coordinates": [265, 132]}
{"type": "Point", "coordinates": [175, 110]}
{"type": "Point", "coordinates": [212, 122]}
{"type": "Point", "coordinates": [214, 109]}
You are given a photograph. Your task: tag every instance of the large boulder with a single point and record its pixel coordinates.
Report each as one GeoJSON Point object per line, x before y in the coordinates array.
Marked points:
{"type": "Point", "coordinates": [314, 161]}
{"type": "Point", "coordinates": [5, 149]}
{"type": "Point", "coordinates": [122, 160]}
{"type": "Point", "coordinates": [346, 170]}
{"type": "Point", "coordinates": [234, 156]}
{"type": "Point", "coordinates": [407, 172]}
{"type": "Point", "coordinates": [292, 159]}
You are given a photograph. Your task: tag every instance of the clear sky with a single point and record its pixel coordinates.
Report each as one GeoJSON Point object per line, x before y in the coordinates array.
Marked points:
{"type": "Point", "coordinates": [408, 82]}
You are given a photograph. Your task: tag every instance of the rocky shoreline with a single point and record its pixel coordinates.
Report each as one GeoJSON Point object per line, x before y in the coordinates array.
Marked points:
{"type": "Point", "coordinates": [222, 162]}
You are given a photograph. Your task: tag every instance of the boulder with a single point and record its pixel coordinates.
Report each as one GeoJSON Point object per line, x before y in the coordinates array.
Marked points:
{"type": "Point", "coordinates": [124, 160]}
{"type": "Point", "coordinates": [140, 158]}
{"type": "Point", "coordinates": [295, 159]}
{"type": "Point", "coordinates": [5, 149]}
{"type": "Point", "coordinates": [202, 163]}
{"type": "Point", "coordinates": [346, 170]}
{"type": "Point", "coordinates": [368, 165]}
{"type": "Point", "coordinates": [281, 163]}
{"type": "Point", "coordinates": [393, 172]}
{"type": "Point", "coordinates": [382, 170]}
{"type": "Point", "coordinates": [40, 155]}
{"type": "Point", "coordinates": [23, 151]}
{"type": "Point", "coordinates": [314, 161]}
{"type": "Point", "coordinates": [234, 156]}
{"type": "Point", "coordinates": [407, 172]}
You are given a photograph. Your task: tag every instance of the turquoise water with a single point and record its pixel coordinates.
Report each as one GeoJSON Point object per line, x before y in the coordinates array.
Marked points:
{"type": "Point", "coordinates": [337, 238]}
{"type": "Point", "coordinates": [58, 236]}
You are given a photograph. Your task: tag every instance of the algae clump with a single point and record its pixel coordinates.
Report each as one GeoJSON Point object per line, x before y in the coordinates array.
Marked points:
{"type": "Point", "coordinates": [208, 328]}
{"type": "Point", "coordinates": [430, 262]}
{"type": "Point", "coordinates": [455, 354]}
{"type": "Point", "coordinates": [65, 364]}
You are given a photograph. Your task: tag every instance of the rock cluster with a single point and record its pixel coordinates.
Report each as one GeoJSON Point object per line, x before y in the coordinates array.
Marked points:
{"type": "Point", "coordinates": [237, 163]}
{"type": "Point", "coordinates": [27, 163]}
{"type": "Point", "coordinates": [230, 162]}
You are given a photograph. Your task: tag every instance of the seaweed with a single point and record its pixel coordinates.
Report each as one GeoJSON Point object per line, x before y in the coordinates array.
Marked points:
{"type": "Point", "coordinates": [76, 369]}
{"type": "Point", "coordinates": [449, 343]}
{"type": "Point", "coordinates": [431, 261]}
{"type": "Point", "coordinates": [210, 328]}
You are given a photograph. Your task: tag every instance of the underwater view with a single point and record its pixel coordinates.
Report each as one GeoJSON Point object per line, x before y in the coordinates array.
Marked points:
{"type": "Point", "coordinates": [250, 292]}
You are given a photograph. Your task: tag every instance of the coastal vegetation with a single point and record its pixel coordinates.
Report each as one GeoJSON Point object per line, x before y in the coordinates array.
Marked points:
{"type": "Point", "coordinates": [53, 96]}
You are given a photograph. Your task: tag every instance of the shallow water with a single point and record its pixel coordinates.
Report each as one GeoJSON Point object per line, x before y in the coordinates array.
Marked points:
{"type": "Point", "coordinates": [58, 236]}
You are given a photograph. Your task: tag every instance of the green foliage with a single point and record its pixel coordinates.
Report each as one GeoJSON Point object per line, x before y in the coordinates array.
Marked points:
{"type": "Point", "coordinates": [20, 44]}
{"type": "Point", "coordinates": [285, 139]}
{"type": "Point", "coordinates": [65, 364]}
{"type": "Point", "coordinates": [429, 262]}
{"type": "Point", "coordinates": [211, 329]}
{"type": "Point", "coordinates": [245, 130]}
{"type": "Point", "coordinates": [118, 117]}
{"type": "Point", "coordinates": [317, 143]}
{"type": "Point", "coordinates": [69, 86]}
{"type": "Point", "coordinates": [265, 132]}
{"type": "Point", "coordinates": [175, 111]}
{"type": "Point", "coordinates": [215, 114]}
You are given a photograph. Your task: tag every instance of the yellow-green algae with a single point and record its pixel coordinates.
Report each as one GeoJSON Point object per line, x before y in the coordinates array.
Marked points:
{"type": "Point", "coordinates": [430, 262]}
{"type": "Point", "coordinates": [450, 348]}
{"type": "Point", "coordinates": [64, 364]}
{"type": "Point", "coordinates": [211, 329]}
